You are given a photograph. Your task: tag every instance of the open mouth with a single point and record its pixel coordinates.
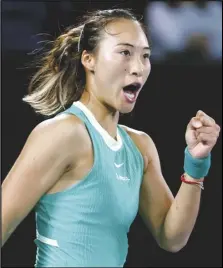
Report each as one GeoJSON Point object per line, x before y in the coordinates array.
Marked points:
{"type": "Point", "coordinates": [130, 91]}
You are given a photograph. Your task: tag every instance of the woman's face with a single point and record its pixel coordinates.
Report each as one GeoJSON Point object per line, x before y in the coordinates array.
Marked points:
{"type": "Point", "coordinates": [121, 59]}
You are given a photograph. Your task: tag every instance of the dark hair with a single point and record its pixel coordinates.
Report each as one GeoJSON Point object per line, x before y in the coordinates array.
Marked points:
{"type": "Point", "coordinates": [61, 78]}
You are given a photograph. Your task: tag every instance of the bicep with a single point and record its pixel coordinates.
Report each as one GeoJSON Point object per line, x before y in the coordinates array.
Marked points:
{"type": "Point", "coordinates": [155, 195]}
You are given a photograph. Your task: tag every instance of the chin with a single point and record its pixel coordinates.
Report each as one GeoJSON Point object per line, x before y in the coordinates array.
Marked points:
{"type": "Point", "coordinates": [123, 108]}
{"type": "Point", "coordinates": [126, 109]}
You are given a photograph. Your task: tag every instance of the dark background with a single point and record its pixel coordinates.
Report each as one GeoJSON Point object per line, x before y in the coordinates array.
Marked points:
{"type": "Point", "coordinates": [173, 94]}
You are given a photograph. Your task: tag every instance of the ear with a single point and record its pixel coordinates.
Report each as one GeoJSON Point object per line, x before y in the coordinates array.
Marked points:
{"type": "Point", "coordinates": [88, 61]}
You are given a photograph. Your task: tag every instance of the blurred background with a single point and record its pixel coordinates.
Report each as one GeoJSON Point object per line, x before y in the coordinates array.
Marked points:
{"type": "Point", "coordinates": [186, 38]}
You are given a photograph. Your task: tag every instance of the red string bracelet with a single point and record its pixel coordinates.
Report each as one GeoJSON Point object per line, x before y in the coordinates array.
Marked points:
{"type": "Point", "coordinates": [198, 183]}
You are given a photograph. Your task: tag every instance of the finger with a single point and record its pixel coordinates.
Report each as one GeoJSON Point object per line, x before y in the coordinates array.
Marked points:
{"type": "Point", "coordinates": [207, 120]}
{"type": "Point", "coordinates": [199, 113]}
{"type": "Point", "coordinates": [194, 123]}
{"type": "Point", "coordinates": [207, 130]}
{"type": "Point", "coordinates": [207, 138]}
{"type": "Point", "coordinates": [218, 128]}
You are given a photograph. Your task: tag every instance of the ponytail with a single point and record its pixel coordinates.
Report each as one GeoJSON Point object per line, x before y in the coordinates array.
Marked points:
{"type": "Point", "coordinates": [60, 80]}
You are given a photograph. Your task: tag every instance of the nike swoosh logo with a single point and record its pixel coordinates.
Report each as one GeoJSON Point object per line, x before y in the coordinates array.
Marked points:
{"type": "Point", "coordinates": [119, 165]}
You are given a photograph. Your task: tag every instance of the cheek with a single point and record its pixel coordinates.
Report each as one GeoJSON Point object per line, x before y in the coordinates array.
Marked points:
{"type": "Point", "coordinates": [108, 73]}
{"type": "Point", "coordinates": [147, 70]}
{"type": "Point", "coordinates": [111, 65]}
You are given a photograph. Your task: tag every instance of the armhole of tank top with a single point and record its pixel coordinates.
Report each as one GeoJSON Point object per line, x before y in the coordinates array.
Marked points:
{"type": "Point", "coordinates": [88, 174]}
{"type": "Point", "coordinates": [94, 146]}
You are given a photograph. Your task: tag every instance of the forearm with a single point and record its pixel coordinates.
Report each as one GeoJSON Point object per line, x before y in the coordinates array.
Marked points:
{"type": "Point", "coordinates": [181, 217]}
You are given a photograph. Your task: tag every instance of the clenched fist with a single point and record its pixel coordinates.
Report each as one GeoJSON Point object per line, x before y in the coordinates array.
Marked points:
{"type": "Point", "coordinates": [201, 135]}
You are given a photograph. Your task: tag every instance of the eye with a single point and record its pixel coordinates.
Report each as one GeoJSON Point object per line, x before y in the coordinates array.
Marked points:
{"type": "Point", "coordinates": [146, 56]}
{"type": "Point", "coordinates": [125, 52]}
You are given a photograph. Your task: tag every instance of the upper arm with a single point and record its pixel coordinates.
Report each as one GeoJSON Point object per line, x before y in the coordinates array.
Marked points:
{"type": "Point", "coordinates": [155, 195]}
{"type": "Point", "coordinates": [42, 161]}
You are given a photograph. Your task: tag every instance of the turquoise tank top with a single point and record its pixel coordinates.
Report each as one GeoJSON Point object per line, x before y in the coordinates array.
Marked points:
{"type": "Point", "coordinates": [87, 224]}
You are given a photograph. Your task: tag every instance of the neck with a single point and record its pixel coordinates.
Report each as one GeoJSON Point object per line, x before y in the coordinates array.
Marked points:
{"type": "Point", "coordinates": [105, 116]}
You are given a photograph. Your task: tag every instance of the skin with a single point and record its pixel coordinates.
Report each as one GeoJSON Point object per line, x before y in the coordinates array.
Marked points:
{"type": "Point", "coordinates": [63, 163]}
{"type": "Point", "coordinates": [124, 65]}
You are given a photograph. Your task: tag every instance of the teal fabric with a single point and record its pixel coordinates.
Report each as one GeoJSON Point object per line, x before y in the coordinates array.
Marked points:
{"type": "Point", "coordinates": [91, 219]}
{"type": "Point", "coordinates": [197, 168]}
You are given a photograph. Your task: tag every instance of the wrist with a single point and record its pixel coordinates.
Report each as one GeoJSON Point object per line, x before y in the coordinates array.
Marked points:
{"type": "Point", "coordinates": [191, 181]}
{"type": "Point", "coordinates": [196, 168]}
{"type": "Point", "coordinates": [189, 178]}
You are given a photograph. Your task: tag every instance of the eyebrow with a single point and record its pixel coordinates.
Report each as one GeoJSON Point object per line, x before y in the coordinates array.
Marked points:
{"type": "Point", "coordinates": [130, 45]}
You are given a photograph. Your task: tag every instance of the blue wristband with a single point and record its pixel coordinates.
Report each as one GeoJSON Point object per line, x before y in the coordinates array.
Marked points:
{"type": "Point", "coordinates": [196, 167]}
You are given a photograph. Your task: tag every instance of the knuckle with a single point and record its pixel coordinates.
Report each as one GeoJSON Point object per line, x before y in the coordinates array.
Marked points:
{"type": "Point", "coordinates": [200, 112]}
{"type": "Point", "coordinates": [218, 128]}
{"type": "Point", "coordinates": [217, 134]}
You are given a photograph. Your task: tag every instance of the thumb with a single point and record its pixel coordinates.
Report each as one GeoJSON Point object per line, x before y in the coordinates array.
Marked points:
{"type": "Point", "coordinates": [194, 123]}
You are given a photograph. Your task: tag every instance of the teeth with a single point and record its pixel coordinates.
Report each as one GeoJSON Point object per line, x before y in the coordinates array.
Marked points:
{"type": "Point", "coordinates": [130, 95]}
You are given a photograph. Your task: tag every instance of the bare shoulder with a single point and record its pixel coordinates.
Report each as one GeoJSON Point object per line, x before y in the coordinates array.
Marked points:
{"type": "Point", "coordinates": [64, 128]}
{"type": "Point", "coordinates": [144, 143]}
{"type": "Point", "coordinates": [60, 136]}
{"type": "Point", "coordinates": [64, 125]}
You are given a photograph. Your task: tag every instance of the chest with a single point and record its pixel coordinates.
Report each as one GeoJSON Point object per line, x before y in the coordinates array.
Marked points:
{"type": "Point", "coordinates": [118, 180]}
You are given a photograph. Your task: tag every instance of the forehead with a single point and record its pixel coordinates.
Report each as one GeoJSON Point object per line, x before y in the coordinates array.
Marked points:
{"type": "Point", "coordinates": [124, 31]}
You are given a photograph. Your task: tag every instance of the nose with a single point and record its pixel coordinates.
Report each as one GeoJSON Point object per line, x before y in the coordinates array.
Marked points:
{"type": "Point", "coordinates": [137, 68]}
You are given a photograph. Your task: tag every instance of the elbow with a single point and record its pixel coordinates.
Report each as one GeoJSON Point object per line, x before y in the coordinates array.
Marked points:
{"type": "Point", "coordinates": [174, 248]}
{"type": "Point", "coordinates": [8, 227]}
{"type": "Point", "coordinates": [173, 242]}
